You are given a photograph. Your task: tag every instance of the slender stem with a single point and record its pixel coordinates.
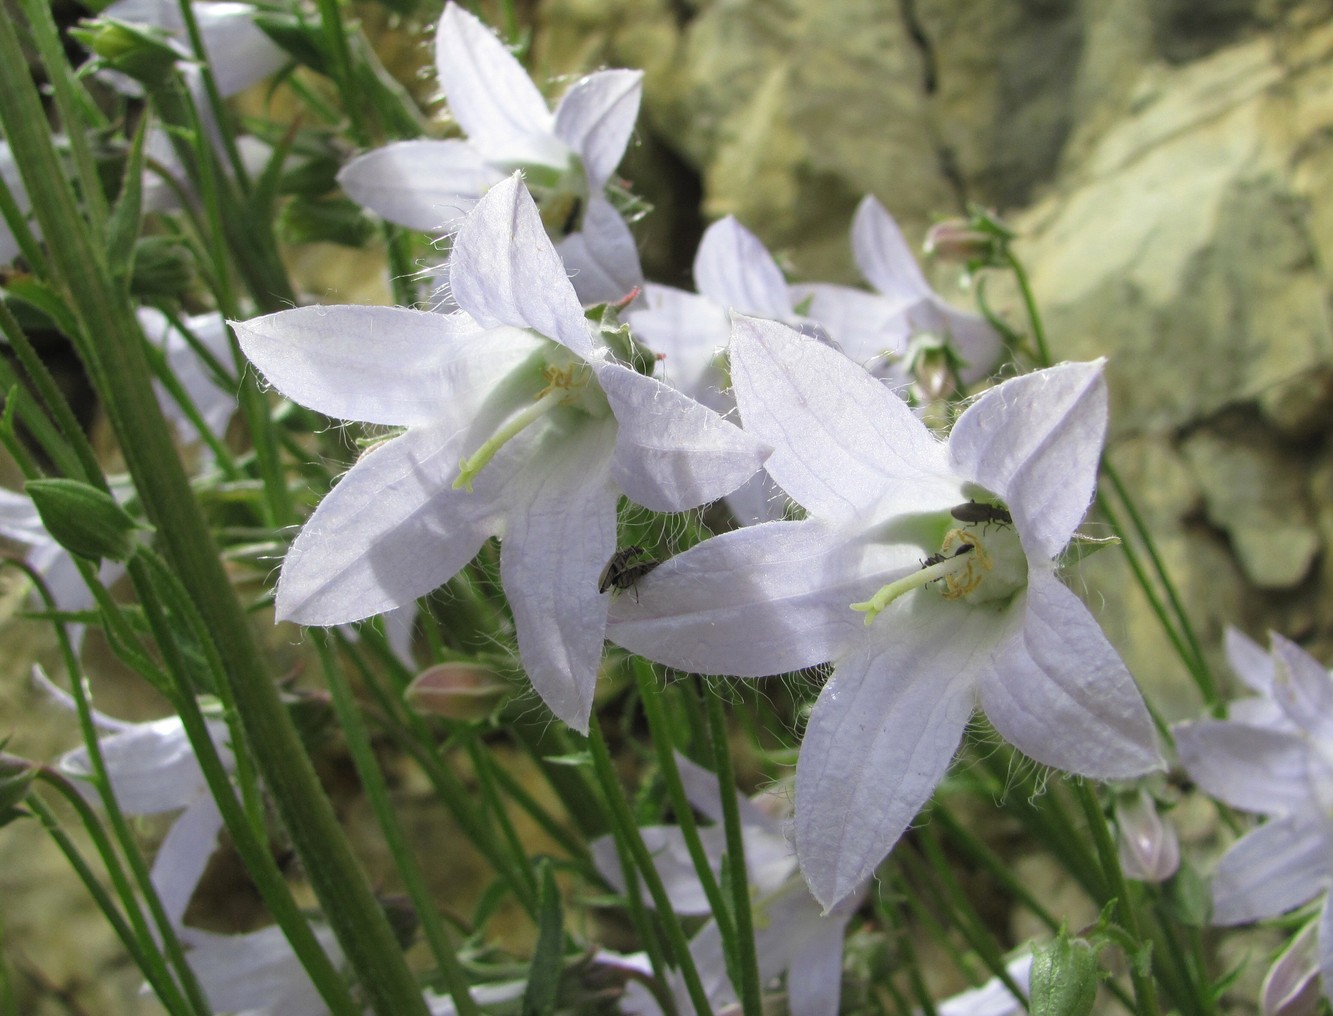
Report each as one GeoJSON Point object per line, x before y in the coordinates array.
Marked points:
{"type": "Point", "coordinates": [405, 861]}
{"type": "Point", "coordinates": [650, 696]}
{"type": "Point", "coordinates": [116, 363]}
{"type": "Point", "coordinates": [1145, 990]}
{"type": "Point", "coordinates": [627, 833]}
{"type": "Point", "coordinates": [742, 909]}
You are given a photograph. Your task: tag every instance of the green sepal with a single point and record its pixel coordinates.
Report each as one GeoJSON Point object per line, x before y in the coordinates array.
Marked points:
{"type": "Point", "coordinates": [163, 269]}
{"type": "Point", "coordinates": [547, 958]}
{"type": "Point", "coordinates": [16, 776]}
{"type": "Point", "coordinates": [84, 520]}
{"type": "Point", "coordinates": [336, 220]}
{"type": "Point", "coordinates": [1064, 978]}
{"type": "Point", "coordinates": [145, 55]}
{"type": "Point", "coordinates": [126, 218]}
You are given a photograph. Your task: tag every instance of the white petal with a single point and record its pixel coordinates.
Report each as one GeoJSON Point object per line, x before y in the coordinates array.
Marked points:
{"type": "Point", "coordinates": [1303, 687]}
{"type": "Point", "coordinates": [878, 741]}
{"type": "Point", "coordinates": [1036, 442]}
{"type": "Point", "coordinates": [152, 766]}
{"type": "Point", "coordinates": [596, 117]}
{"type": "Point", "coordinates": [867, 326]}
{"type": "Point", "coordinates": [489, 92]}
{"type": "Point", "coordinates": [392, 530]}
{"type": "Point", "coordinates": [688, 332]}
{"type": "Point", "coordinates": [1253, 768]}
{"type": "Point", "coordinates": [971, 337]}
{"type": "Point", "coordinates": [504, 271]}
{"type": "Point", "coordinates": [424, 184]}
{"type": "Point", "coordinates": [732, 268]}
{"type": "Point", "coordinates": [1249, 661]}
{"type": "Point", "coordinates": [1280, 865]}
{"type": "Point", "coordinates": [1058, 692]}
{"type": "Point", "coordinates": [705, 796]}
{"type": "Point", "coordinates": [758, 499]}
{"type": "Point", "coordinates": [558, 535]}
{"type": "Point", "coordinates": [1291, 985]}
{"type": "Point", "coordinates": [842, 441]}
{"type": "Point", "coordinates": [883, 255]}
{"type": "Point", "coordinates": [602, 258]}
{"type": "Point", "coordinates": [257, 971]}
{"type": "Point", "coordinates": [672, 453]}
{"type": "Point", "coordinates": [671, 858]}
{"type": "Point", "coordinates": [239, 52]}
{"type": "Point", "coordinates": [1326, 947]}
{"type": "Point", "coordinates": [758, 601]}
{"type": "Point", "coordinates": [814, 975]}
{"type": "Point", "coordinates": [184, 854]}
{"type": "Point", "coordinates": [385, 365]}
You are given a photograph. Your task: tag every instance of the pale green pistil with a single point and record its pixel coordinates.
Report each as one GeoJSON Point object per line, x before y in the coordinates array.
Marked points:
{"type": "Point", "coordinates": [974, 565]}
{"type": "Point", "coordinates": [564, 385]}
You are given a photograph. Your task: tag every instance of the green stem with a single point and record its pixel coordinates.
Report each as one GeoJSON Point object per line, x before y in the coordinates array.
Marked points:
{"type": "Point", "coordinates": [660, 730]}
{"type": "Point", "coordinates": [116, 363]}
{"type": "Point", "coordinates": [1145, 990]}
{"type": "Point", "coordinates": [627, 832]}
{"type": "Point", "coordinates": [742, 909]}
{"type": "Point", "coordinates": [405, 862]}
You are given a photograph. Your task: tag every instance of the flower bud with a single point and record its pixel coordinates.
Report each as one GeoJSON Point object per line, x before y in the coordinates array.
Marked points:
{"type": "Point", "coordinates": [84, 520]}
{"type": "Point", "coordinates": [147, 57]}
{"type": "Point", "coordinates": [1291, 987]}
{"type": "Point", "coordinates": [1064, 978]}
{"type": "Point", "coordinates": [16, 776]}
{"type": "Point", "coordinates": [959, 241]}
{"type": "Point", "coordinates": [457, 691]}
{"type": "Point", "coordinates": [1148, 846]}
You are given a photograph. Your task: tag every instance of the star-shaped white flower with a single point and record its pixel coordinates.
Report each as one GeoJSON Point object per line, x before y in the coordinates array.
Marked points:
{"type": "Point", "coordinates": [987, 622]}
{"type": "Point", "coordinates": [567, 156]}
{"type": "Point", "coordinates": [791, 935]}
{"type": "Point", "coordinates": [882, 325]}
{"type": "Point", "coordinates": [550, 427]}
{"type": "Point", "coordinates": [1279, 767]}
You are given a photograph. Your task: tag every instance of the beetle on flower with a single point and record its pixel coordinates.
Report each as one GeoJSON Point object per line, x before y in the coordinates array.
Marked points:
{"type": "Point", "coordinates": [912, 655]}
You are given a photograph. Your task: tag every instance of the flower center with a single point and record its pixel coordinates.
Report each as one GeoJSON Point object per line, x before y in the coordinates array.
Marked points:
{"type": "Point", "coordinates": [566, 384]}
{"type": "Point", "coordinates": [981, 562]}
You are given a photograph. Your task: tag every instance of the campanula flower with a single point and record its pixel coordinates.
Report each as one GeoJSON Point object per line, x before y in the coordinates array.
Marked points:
{"type": "Point", "coordinates": [517, 420]}
{"type": "Point", "coordinates": [916, 646]}
{"type": "Point", "coordinates": [567, 155]}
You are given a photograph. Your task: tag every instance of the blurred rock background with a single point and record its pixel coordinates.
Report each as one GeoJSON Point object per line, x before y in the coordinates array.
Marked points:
{"type": "Point", "coordinates": [1169, 167]}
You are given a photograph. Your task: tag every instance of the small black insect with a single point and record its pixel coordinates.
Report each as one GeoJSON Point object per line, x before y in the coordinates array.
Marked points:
{"type": "Point", "coordinates": [622, 571]}
{"type": "Point", "coordinates": [571, 222]}
{"type": "Point", "coordinates": [976, 511]}
{"type": "Point", "coordinates": [941, 558]}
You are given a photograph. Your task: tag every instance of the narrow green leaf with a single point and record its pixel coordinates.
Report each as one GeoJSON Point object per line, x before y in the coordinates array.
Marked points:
{"type": "Point", "coordinates": [544, 974]}
{"type": "Point", "coordinates": [127, 215]}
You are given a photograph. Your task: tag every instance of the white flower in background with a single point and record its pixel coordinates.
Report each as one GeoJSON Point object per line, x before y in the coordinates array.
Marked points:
{"type": "Point", "coordinates": [791, 934]}
{"type": "Point", "coordinates": [878, 330]}
{"type": "Point", "coordinates": [733, 271]}
{"type": "Point", "coordinates": [213, 396]}
{"type": "Point", "coordinates": [152, 769]}
{"type": "Point", "coordinates": [985, 622]}
{"type": "Point", "coordinates": [994, 997]}
{"type": "Point", "coordinates": [550, 427]}
{"type": "Point", "coordinates": [239, 52]}
{"type": "Point", "coordinates": [1281, 769]}
{"type": "Point", "coordinates": [567, 156]}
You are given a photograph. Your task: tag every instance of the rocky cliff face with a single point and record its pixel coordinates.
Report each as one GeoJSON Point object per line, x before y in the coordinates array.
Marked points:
{"type": "Point", "coordinates": [1170, 168]}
